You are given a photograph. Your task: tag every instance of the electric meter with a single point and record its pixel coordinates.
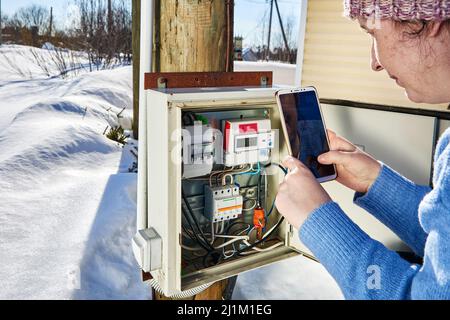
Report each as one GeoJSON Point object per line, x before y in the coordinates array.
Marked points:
{"type": "Point", "coordinates": [247, 141]}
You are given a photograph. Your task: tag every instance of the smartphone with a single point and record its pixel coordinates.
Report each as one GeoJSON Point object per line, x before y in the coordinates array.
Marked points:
{"type": "Point", "coordinates": [303, 125]}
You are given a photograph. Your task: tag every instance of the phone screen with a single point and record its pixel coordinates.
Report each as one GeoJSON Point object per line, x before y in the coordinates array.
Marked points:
{"type": "Point", "coordinates": [306, 130]}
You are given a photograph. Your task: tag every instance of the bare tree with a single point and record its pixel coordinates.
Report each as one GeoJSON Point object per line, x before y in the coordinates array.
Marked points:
{"type": "Point", "coordinates": [32, 16]}
{"type": "Point", "coordinates": [104, 31]}
{"type": "Point", "coordinates": [280, 51]}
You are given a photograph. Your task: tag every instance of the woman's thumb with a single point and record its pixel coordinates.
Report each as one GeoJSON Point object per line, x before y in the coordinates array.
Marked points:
{"type": "Point", "coordinates": [333, 157]}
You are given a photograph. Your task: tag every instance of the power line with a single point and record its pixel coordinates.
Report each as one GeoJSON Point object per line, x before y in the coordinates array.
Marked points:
{"type": "Point", "coordinates": [261, 21]}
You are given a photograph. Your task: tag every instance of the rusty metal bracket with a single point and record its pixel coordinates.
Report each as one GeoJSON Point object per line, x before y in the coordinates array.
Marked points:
{"type": "Point", "coordinates": [207, 79]}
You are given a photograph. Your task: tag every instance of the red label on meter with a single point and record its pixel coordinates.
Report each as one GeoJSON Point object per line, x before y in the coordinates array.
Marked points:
{"type": "Point", "coordinates": [248, 128]}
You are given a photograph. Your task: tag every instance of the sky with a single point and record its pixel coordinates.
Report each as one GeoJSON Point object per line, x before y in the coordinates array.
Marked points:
{"type": "Point", "coordinates": [251, 16]}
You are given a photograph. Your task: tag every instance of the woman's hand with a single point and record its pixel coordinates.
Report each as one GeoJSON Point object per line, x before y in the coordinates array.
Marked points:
{"type": "Point", "coordinates": [300, 193]}
{"type": "Point", "coordinates": [356, 169]}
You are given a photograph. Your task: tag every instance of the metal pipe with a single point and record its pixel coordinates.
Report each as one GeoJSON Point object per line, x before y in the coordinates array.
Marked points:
{"type": "Point", "coordinates": [1, 23]}
{"type": "Point", "coordinates": [230, 45]}
{"type": "Point", "coordinates": [146, 44]}
{"type": "Point", "coordinates": [301, 42]}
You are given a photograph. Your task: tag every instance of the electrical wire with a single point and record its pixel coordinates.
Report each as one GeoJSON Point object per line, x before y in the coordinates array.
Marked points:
{"type": "Point", "coordinates": [195, 235]}
{"type": "Point", "coordinates": [191, 212]}
{"type": "Point", "coordinates": [261, 250]}
{"type": "Point", "coordinates": [251, 171]}
{"type": "Point", "coordinates": [265, 237]}
{"type": "Point", "coordinates": [224, 179]}
{"type": "Point", "coordinates": [252, 207]}
{"type": "Point", "coordinates": [218, 173]}
{"type": "Point", "coordinates": [213, 236]}
{"type": "Point", "coordinates": [208, 246]}
{"type": "Point", "coordinates": [233, 240]}
{"type": "Point", "coordinates": [269, 233]}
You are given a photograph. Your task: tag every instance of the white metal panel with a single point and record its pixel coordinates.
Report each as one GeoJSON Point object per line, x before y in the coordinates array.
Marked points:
{"type": "Point", "coordinates": [146, 40]}
{"type": "Point", "coordinates": [157, 126]}
{"type": "Point", "coordinates": [217, 94]}
{"type": "Point", "coordinates": [402, 141]}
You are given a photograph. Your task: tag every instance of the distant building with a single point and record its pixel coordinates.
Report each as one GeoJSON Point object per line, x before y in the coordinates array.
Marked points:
{"type": "Point", "coordinates": [10, 34]}
{"type": "Point", "coordinates": [238, 48]}
{"type": "Point", "coordinates": [249, 55]}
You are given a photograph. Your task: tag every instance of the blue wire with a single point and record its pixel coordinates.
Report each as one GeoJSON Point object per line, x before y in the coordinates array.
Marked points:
{"type": "Point", "coordinates": [252, 173]}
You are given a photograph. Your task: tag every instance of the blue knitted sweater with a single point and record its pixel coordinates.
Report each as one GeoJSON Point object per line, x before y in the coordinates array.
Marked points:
{"type": "Point", "coordinates": [420, 216]}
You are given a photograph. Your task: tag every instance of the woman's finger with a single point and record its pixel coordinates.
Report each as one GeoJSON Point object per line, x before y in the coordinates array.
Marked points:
{"type": "Point", "coordinates": [331, 134]}
{"type": "Point", "coordinates": [335, 157]}
{"type": "Point", "coordinates": [339, 143]}
{"type": "Point", "coordinates": [292, 163]}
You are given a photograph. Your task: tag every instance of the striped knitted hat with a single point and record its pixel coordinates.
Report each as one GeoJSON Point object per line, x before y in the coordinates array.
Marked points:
{"type": "Point", "coordinates": [402, 10]}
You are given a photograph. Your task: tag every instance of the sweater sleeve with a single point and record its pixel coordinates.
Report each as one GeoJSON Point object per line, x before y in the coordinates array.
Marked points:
{"type": "Point", "coordinates": [394, 200]}
{"type": "Point", "coordinates": [433, 282]}
{"type": "Point", "coordinates": [362, 267]}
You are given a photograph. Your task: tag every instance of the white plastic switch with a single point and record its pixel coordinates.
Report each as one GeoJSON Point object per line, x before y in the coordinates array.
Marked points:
{"type": "Point", "coordinates": [147, 249]}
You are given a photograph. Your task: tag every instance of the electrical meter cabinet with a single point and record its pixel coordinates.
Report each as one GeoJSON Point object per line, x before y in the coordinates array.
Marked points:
{"type": "Point", "coordinates": [209, 179]}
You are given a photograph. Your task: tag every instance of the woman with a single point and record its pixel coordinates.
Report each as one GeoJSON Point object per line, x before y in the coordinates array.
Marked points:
{"type": "Point", "coordinates": [411, 42]}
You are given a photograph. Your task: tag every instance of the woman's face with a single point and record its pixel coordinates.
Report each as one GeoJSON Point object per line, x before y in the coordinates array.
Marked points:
{"type": "Point", "coordinates": [405, 59]}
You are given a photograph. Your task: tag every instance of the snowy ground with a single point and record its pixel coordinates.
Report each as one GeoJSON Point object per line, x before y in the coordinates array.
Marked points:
{"type": "Point", "coordinates": [67, 200]}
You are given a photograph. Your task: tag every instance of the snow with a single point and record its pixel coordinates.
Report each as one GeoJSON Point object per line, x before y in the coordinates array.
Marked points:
{"type": "Point", "coordinates": [68, 201]}
{"type": "Point", "coordinates": [283, 73]}
{"type": "Point", "coordinates": [294, 279]}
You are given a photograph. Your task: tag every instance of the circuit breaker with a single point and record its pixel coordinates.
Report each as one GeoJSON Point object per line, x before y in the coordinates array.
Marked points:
{"type": "Point", "coordinates": [198, 150]}
{"type": "Point", "coordinates": [212, 172]}
{"type": "Point", "coordinates": [223, 203]}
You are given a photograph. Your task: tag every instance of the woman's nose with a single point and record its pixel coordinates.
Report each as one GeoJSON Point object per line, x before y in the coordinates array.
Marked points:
{"type": "Point", "coordinates": [376, 66]}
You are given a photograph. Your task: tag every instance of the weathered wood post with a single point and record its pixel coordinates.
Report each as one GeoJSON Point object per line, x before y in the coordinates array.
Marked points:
{"type": "Point", "coordinates": [190, 35]}
{"type": "Point", "coordinates": [194, 35]}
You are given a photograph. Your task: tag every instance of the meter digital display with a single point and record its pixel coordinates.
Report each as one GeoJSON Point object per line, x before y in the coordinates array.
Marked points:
{"type": "Point", "coordinates": [247, 143]}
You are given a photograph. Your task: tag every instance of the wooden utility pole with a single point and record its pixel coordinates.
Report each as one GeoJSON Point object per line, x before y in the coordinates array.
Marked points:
{"type": "Point", "coordinates": [50, 29]}
{"type": "Point", "coordinates": [280, 20]}
{"type": "Point", "coordinates": [110, 29]}
{"type": "Point", "coordinates": [270, 31]}
{"type": "Point", "coordinates": [190, 36]}
{"type": "Point", "coordinates": [283, 32]}
{"type": "Point", "coordinates": [194, 36]}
